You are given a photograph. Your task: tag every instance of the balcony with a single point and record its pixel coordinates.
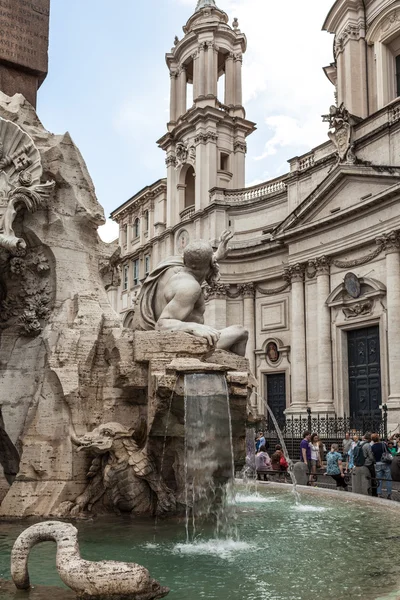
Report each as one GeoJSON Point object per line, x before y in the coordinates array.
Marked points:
{"type": "Point", "coordinates": [187, 213]}
{"type": "Point", "coordinates": [247, 194]}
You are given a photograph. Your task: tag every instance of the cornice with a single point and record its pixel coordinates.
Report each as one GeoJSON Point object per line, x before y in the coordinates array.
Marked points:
{"type": "Point", "coordinates": [187, 124]}
{"type": "Point", "coordinates": [147, 193]}
{"type": "Point", "coordinates": [338, 12]}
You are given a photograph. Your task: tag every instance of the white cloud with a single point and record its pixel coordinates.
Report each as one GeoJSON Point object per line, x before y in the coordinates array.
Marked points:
{"type": "Point", "coordinates": [109, 231]}
{"type": "Point", "coordinates": [287, 132]}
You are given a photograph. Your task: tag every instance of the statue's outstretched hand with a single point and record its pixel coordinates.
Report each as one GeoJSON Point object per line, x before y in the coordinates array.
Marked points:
{"type": "Point", "coordinates": [209, 333]}
{"type": "Point", "coordinates": [223, 249]}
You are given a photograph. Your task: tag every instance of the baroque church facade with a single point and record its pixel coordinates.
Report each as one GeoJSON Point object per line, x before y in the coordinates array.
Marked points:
{"type": "Point", "coordinates": [314, 267]}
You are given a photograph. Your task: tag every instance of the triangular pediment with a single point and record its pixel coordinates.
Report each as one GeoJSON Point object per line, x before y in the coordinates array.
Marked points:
{"type": "Point", "coordinates": [346, 190]}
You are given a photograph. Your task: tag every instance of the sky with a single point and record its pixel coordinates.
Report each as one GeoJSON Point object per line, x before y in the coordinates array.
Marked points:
{"type": "Point", "coordinates": [108, 85]}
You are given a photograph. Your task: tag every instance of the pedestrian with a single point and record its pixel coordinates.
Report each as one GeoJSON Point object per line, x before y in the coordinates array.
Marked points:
{"type": "Point", "coordinates": [334, 467]}
{"type": "Point", "coordinates": [322, 451]}
{"type": "Point", "coordinates": [263, 463]}
{"type": "Point", "coordinates": [346, 445]}
{"type": "Point", "coordinates": [260, 440]}
{"type": "Point", "coordinates": [364, 457]}
{"type": "Point", "coordinates": [391, 448]}
{"type": "Point", "coordinates": [382, 466]}
{"type": "Point", "coordinates": [315, 458]}
{"type": "Point", "coordinates": [395, 467]}
{"type": "Point", "coordinates": [350, 462]}
{"type": "Point", "coordinates": [305, 449]}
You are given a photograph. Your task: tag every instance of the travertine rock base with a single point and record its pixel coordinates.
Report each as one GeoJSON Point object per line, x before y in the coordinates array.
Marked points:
{"type": "Point", "coordinates": [73, 367]}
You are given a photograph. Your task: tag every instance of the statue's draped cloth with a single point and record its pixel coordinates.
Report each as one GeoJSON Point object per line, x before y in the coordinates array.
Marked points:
{"type": "Point", "coordinates": [144, 318]}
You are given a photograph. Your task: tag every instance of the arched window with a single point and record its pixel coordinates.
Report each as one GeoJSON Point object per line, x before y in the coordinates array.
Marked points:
{"type": "Point", "coordinates": [146, 220]}
{"type": "Point", "coordinates": [136, 228]}
{"type": "Point", "coordinates": [190, 186]}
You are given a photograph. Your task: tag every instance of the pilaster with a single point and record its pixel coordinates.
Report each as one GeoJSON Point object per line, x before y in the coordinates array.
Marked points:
{"type": "Point", "coordinates": [391, 244]}
{"type": "Point", "coordinates": [325, 368]}
{"type": "Point", "coordinates": [298, 340]}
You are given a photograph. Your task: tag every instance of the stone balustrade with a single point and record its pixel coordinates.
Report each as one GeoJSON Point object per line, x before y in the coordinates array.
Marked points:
{"type": "Point", "coordinates": [187, 213]}
{"type": "Point", "coordinates": [253, 193]}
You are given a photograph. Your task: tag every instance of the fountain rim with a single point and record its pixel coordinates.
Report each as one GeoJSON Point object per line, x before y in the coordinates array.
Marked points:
{"type": "Point", "coordinates": [369, 500]}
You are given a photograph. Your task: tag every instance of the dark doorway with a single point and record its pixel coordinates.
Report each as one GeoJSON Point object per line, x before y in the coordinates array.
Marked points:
{"type": "Point", "coordinates": [276, 397]}
{"type": "Point", "coordinates": [364, 373]}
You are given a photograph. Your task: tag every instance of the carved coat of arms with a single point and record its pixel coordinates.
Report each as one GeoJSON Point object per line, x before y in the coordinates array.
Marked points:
{"type": "Point", "coordinates": [20, 182]}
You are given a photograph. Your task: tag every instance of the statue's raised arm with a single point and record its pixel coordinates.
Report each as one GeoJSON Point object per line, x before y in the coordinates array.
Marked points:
{"type": "Point", "coordinates": [223, 249]}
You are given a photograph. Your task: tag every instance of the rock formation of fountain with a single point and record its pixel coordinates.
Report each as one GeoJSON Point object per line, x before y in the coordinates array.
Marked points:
{"type": "Point", "coordinates": [69, 373]}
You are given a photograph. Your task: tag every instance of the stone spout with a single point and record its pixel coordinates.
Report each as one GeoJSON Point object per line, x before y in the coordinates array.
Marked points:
{"type": "Point", "coordinates": [105, 580]}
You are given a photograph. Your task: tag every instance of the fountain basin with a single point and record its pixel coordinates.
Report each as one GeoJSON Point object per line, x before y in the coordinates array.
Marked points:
{"type": "Point", "coordinates": [285, 552]}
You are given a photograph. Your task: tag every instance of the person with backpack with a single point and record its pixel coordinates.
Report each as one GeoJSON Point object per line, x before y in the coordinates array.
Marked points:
{"type": "Point", "coordinates": [364, 457]}
{"type": "Point", "coordinates": [383, 462]}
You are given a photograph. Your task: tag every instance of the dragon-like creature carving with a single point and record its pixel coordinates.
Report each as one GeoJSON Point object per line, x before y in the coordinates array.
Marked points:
{"type": "Point", "coordinates": [122, 469]}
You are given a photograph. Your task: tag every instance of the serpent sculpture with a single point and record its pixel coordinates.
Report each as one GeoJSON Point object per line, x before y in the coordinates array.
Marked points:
{"type": "Point", "coordinates": [103, 580]}
{"type": "Point", "coordinates": [122, 469]}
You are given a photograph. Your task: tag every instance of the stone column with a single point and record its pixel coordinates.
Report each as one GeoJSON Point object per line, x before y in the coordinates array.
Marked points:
{"type": "Point", "coordinates": [182, 91]}
{"type": "Point", "coordinates": [216, 305]}
{"type": "Point", "coordinates": [202, 71]}
{"type": "Point", "coordinates": [229, 80]}
{"type": "Point", "coordinates": [196, 75]}
{"type": "Point", "coordinates": [240, 149]}
{"type": "Point", "coordinates": [248, 292]}
{"type": "Point", "coordinates": [238, 100]}
{"type": "Point", "coordinates": [392, 247]}
{"type": "Point", "coordinates": [298, 341]}
{"type": "Point", "coordinates": [173, 111]}
{"type": "Point", "coordinates": [325, 369]}
{"type": "Point", "coordinates": [172, 215]}
{"type": "Point", "coordinates": [211, 89]}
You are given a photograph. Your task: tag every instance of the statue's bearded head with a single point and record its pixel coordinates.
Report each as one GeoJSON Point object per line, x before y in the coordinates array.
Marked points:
{"type": "Point", "coordinates": [198, 257]}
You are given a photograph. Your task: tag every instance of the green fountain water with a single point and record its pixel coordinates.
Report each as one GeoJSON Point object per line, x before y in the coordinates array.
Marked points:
{"type": "Point", "coordinates": [329, 547]}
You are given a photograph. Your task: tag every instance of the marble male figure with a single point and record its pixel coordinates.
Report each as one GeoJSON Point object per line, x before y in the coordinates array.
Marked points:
{"type": "Point", "coordinates": [172, 297]}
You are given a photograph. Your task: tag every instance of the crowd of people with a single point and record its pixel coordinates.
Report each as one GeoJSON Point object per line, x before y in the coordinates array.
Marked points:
{"type": "Point", "coordinates": [265, 462]}
{"type": "Point", "coordinates": [380, 457]}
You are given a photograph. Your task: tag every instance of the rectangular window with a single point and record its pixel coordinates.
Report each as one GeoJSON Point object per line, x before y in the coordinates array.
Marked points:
{"type": "Point", "coordinates": [398, 75]}
{"type": "Point", "coordinates": [136, 272]}
{"type": "Point", "coordinates": [146, 265]}
{"type": "Point", "coordinates": [125, 278]}
{"type": "Point", "coordinates": [224, 162]}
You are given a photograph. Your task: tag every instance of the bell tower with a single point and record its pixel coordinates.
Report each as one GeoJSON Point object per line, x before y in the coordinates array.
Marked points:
{"type": "Point", "coordinates": [207, 130]}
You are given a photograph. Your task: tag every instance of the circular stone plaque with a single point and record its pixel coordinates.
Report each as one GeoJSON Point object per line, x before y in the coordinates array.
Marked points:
{"type": "Point", "coordinates": [182, 241]}
{"type": "Point", "coordinates": [352, 285]}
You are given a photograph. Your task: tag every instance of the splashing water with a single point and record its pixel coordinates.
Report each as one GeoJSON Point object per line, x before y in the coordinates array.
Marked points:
{"type": "Point", "coordinates": [253, 498]}
{"type": "Point", "coordinates": [225, 549]}
{"type": "Point", "coordinates": [285, 452]}
{"type": "Point", "coordinates": [209, 466]}
{"type": "Point", "coordinates": [309, 508]}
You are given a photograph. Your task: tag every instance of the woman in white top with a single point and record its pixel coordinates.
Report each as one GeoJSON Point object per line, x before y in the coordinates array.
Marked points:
{"type": "Point", "coordinates": [315, 457]}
